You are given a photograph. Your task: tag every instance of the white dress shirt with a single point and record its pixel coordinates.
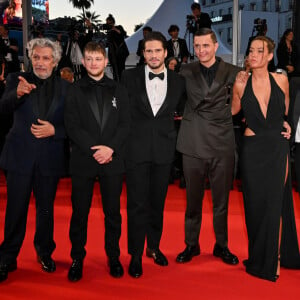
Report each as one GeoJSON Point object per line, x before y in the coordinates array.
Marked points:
{"type": "Point", "coordinates": [156, 89]}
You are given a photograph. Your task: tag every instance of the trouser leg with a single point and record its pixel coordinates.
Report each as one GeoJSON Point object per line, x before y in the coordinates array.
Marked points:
{"type": "Point", "coordinates": [111, 188]}
{"type": "Point", "coordinates": [82, 192]}
{"type": "Point", "coordinates": [194, 172]}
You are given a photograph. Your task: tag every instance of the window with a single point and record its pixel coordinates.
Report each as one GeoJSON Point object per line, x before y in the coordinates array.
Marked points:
{"type": "Point", "coordinates": [203, 2]}
{"type": "Point", "coordinates": [291, 4]}
{"type": "Point", "coordinates": [229, 35]}
{"type": "Point", "coordinates": [241, 6]}
{"type": "Point", "coordinates": [220, 12]}
{"type": "Point", "coordinates": [213, 1]}
{"type": "Point", "coordinates": [212, 14]}
{"type": "Point", "coordinates": [220, 33]}
{"type": "Point", "coordinates": [230, 10]}
{"type": "Point", "coordinates": [265, 5]}
{"type": "Point", "coordinates": [277, 5]}
{"type": "Point", "coordinates": [253, 6]}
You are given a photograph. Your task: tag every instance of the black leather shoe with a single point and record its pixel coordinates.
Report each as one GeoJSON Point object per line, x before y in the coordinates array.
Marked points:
{"type": "Point", "coordinates": [188, 253]}
{"type": "Point", "coordinates": [75, 271]}
{"type": "Point", "coordinates": [135, 267]}
{"type": "Point", "coordinates": [47, 263]}
{"type": "Point", "coordinates": [115, 268]}
{"type": "Point", "coordinates": [5, 268]}
{"type": "Point", "coordinates": [225, 255]}
{"type": "Point", "coordinates": [158, 256]}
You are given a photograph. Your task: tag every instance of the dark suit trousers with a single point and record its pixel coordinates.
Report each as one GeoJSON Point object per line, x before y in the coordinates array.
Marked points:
{"type": "Point", "coordinates": [219, 171]}
{"type": "Point", "coordinates": [82, 193]}
{"type": "Point", "coordinates": [19, 189]}
{"type": "Point", "coordinates": [147, 185]}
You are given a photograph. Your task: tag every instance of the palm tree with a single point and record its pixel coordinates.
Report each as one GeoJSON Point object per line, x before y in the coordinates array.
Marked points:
{"type": "Point", "coordinates": [82, 4]}
{"type": "Point", "coordinates": [92, 17]}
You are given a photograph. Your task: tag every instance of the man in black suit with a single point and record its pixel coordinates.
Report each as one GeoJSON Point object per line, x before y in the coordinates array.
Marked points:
{"type": "Point", "coordinates": [176, 46]}
{"type": "Point", "coordinates": [198, 19]}
{"type": "Point", "coordinates": [33, 154]}
{"type": "Point", "coordinates": [155, 94]}
{"type": "Point", "coordinates": [206, 140]}
{"type": "Point", "coordinates": [97, 123]}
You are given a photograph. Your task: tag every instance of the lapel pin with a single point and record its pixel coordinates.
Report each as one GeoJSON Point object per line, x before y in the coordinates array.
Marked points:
{"type": "Point", "coordinates": [114, 102]}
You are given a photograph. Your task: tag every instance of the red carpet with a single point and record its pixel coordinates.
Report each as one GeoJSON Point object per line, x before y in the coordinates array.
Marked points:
{"type": "Point", "coordinates": [205, 277]}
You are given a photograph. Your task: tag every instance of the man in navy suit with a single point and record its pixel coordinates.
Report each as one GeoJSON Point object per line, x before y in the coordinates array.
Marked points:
{"type": "Point", "coordinates": [154, 94]}
{"type": "Point", "coordinates": [97, 123]}
{"type": "Point", "coordinates": [33, 154]}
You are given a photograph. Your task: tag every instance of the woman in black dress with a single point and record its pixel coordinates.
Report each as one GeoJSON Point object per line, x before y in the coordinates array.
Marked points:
{"type": "Point", "coordinates": [267, 191]}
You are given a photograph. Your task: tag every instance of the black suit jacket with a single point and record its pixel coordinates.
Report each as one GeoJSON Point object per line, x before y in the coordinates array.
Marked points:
{"type": "Point", "coordinates": [202, 21]}
{"type": "Point", "coordinates": [22, 150]}
{"type": "Point", "coordinates": [85, 129]}
{"type": "Point", "coordinates": [183, 49]}
{"type": "Point", "coordinates": [206, 128]}
{"type": "Point", "coordinates": [152, 138]}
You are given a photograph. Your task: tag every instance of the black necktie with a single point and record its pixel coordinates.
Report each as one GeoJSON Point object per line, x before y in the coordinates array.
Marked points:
{"type": "Point", "coordinates": [161, 76]}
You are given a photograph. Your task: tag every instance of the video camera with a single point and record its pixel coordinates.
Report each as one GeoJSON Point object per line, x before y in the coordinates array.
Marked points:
{"type": "Point", "coordinates": [105, 27]}
{"type": "Point", "coordinates": [260, 26]}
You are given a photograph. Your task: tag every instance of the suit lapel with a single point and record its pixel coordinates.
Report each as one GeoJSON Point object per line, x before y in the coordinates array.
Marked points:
{"type": "Point", "coordinates": [56, 97]}
{"type": "Point", "coordinates": [141, 88]}
{"type": "Point", "coordinates": [109, 102]}
{"type": "Point", "coordinates": [200, 80]}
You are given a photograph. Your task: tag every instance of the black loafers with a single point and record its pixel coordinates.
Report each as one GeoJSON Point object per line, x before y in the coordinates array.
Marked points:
{"type": "Point", "coordinates": [188, 253]}
{"type": "Point", "coordinates": [5, 268]}
{"type": "Point", "coordinates": [75, 271]}
{"type": "Point", "coordinates": [47, 263]}
{"type": "Point", "coordinates": [135, 267]}
{"type": "Point", "coordinates": [158, 257]}
{"type": "Point", "coordinates": [115, 268]}
{"type": "Point", "coordinates": [225, 255]}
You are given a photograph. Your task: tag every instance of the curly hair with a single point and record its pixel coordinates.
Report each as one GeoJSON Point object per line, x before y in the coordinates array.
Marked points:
{"type": "Point", "coordinates": [45, 43]}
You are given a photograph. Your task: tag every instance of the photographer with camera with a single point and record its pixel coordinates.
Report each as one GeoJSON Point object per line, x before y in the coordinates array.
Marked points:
{"type": "Point", "coordinates": [72, 53]}
{"type": "Point", "coordinates": [117, 48]}
{"type": "Point", "coordinates": [198, 19]}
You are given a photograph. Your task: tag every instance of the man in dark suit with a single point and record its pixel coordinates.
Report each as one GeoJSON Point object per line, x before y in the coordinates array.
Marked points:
{"type": "Point", "coordinates": [97, 123]}
{"type": "Point", "coordinates": [33, 154]}
{"type": "Point", "coordinates": [206, 140]}
{"type": "Point", "coordinates": [155, 94]}
{"type": "Point", "coordinates": [198, 19]}
{"type": "Point", "coordinates": [176, 46]}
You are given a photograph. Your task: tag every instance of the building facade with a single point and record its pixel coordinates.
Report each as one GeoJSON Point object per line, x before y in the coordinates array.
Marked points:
{"type": "Point", "coordinates": [221, 11]}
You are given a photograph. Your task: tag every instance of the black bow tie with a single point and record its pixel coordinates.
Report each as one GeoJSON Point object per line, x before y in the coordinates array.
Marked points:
{"type": "Point", "coordinates": [161, 76]}
{"type": "Point", "coordinates": [174, 41]}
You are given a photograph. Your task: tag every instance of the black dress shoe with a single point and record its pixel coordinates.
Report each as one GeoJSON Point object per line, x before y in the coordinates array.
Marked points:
{"type": "Point", "coordinates": [115, 268]}
{"type": "Point", "coordinates": [225, 255]}
{"type": "Point", "coordinates": [188, 253]}
{"type": "Point", "coordinates": [158, 256]}
{"type": "Point", "coordinates": [5, 268]}
{"type": "Point", "coordinates": [135, 267]}
{"type": "Point", "coordinates": [47, 263]}
{"type": "Point", "coordinates": [75, 271]}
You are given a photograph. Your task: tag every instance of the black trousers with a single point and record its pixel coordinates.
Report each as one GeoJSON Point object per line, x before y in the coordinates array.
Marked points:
{"type": "Point", "coordinates": [82, 193]}
{"type": "Point", "coordinates": [219, 171]}
{"type": "Point", "coordinates": [19, 189]}
{"type": "Point", "coordinates": [147, 185]}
